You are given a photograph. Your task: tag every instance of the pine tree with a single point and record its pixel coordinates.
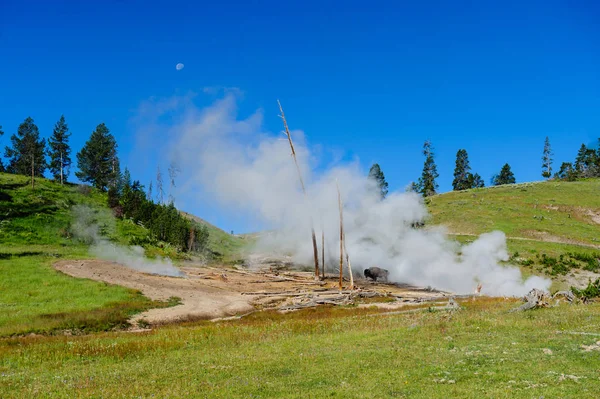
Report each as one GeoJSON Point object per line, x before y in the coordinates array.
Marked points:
{"type": "Point", "coordinates": [412, 188]}
{"type": "Point", "coordinates": [580, 160]}
{"type": "Point", "coordinates": [60, 152]}
{"type": "Point", "coordinates": [27, 152]}
{"type": "Point", "coordinates": [566, 172]}
{"type": "Point", "coordinates": [547, 160]}
{"type": "Point", "coordinates": [586, 162]}
{"type": "Point", "coordinates": [97, 161]}
{"type": "Point", "coordinates": [506, 176]}
{"type": "Point", "coordinates": [1, 164]}
{"type": "Point", "coordinates": [427, 184]}
{"type": "Point", "coordinates": [477, 181]}
{"type": "Point", "coordinates": [376, 174]}
{"type": "Point", "coordinates": [463, 179]}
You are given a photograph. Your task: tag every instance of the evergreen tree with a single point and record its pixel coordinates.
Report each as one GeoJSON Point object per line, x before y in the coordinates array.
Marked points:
{"type": "Point", "coordinates": [476, 181]}
{"type": "Point", "coordinates": [506, 176]}
{"type": "Point", "coordinates": [427, 184]}
{"type": "Point", "coordinates": [567, 172]}
{"type": "Point", "coordinates": [60, 152]}
{"type": "Point", "coordinates": [586, 163]}
{"type": "Point", "coordinates": [463, 179]}
{"type": "Point", "coordinates": [97, 161]}
{"type": "Point", "coordinates": [378, 177]}
{"type": "Point", "coordinates": [412, 188]}
{"type": "Point", "coordinates": [580, 160]}
{"type": "Point", "coordinates": [1, 164]}
{"type": "Point", "coordinates": [27, 152]}
{"type": "Point", "coordinates": [547, 159]}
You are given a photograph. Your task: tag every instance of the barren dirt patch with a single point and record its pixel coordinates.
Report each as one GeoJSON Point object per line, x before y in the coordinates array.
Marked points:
{"type": "Point", "coordinates": [213, 293]}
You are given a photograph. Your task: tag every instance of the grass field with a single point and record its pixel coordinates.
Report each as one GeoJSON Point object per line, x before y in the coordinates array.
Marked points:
{"type": "Point", "coordinates": [36, 230]}
{"type": "Point", "coordinates": [561, 210]}
{"type": "Point", "coordinates": [480, 351]}
{"type": "Point", "coordinates": [542, 221]}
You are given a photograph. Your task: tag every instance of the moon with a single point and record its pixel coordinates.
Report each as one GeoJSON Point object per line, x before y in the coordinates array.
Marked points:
{"type": "Point", "coordinates": [179, 66]}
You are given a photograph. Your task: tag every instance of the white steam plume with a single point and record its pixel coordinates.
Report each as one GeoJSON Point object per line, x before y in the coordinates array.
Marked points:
{"type": "Point", "coordinates": [86, 227]}
{"type": "Point", "coordinates": [244, 168]}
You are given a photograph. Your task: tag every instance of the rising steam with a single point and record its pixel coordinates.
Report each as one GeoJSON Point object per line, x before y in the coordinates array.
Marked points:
{"type": "Point", "coordinates": [87, 227]}
{"type": "Point", "coordinates": [244, 168]}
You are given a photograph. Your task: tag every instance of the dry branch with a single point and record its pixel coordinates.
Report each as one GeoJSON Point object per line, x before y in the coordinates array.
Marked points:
{"type": "Point", "coordinates": [312, 229]}
{"type": "Point", "coordinates": [341, 234]}
{"type": "Point", "coordinates": [533, 300]}
{"type": "Point", "coordinates": [322, 254]}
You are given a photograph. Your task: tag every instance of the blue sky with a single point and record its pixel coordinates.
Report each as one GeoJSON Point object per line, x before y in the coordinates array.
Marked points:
{"type": "Point", "coordinates": [364, 80]}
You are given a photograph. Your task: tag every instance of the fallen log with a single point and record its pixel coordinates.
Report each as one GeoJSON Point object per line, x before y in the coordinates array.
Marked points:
{"type": "Point", "coordinates": [533, 300]}
{"type": "Point", "coordinates": [451, 306]}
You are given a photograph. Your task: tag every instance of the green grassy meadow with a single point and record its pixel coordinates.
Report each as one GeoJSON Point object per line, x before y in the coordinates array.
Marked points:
{"type": "Point", "coordinates": [479, 351]}
{"type": "Point", "coordinates": [529, 210]}
{"type": "Point", "coordinates": [60, 338]}
{"type": "Point", "coordinates": [36, 229]}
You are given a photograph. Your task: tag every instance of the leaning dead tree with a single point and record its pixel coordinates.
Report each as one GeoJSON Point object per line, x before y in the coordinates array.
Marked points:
{"type": "Point", "coordinates": [312, 229]}
{"type": "Point", "coordinates": [341, 236]}
{"type": "Point", "coordinates": [322, 254]}
{"type": "Point", "coordinates": [348, 262]}
{"type": "Point", "coordinates": [343, 242]}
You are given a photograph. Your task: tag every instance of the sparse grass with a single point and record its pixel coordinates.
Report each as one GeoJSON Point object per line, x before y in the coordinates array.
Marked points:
{"type": "Point", "coordinates": [481, 351]}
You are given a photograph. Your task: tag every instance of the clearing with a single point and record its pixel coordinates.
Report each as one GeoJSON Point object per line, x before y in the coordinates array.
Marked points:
{"type": "Point", "coordinates": [212, 293]}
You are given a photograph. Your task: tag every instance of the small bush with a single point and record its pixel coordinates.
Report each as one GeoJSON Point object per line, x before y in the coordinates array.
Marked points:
{"type": "Point", "coordinates": [590, 292]}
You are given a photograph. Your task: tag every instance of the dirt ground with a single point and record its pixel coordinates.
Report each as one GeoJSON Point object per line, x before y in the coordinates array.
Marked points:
{"type": "Point", "coordinates": [214, 293]}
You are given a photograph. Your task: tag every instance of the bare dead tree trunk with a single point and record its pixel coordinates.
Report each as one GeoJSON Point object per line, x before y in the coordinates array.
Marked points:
{"type": "Point", "coordinates": [312, 229]}
{"type": "Point", "coordinates": [341, 236]}
{"type": "Point", "coordinates": [191, 242]}
{"type": "Point", "coordinates": [322, 254]}
{"type": "Point", "coordinates": [343, 239]}
{"type": "Point", "coordinates": [349, 266]}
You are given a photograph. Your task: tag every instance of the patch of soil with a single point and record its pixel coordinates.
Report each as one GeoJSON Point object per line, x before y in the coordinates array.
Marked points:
{"type": "Point", "coordinates": [200, 301]}
{"type": "Point", "coordinates": [547, 237]}
{"type": "Point", "coordinates": [578, 279]}
{"type": "Point", "coordinates": [215, 293]}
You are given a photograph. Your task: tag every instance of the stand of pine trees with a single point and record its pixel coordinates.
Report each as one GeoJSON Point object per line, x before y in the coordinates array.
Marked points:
{"type": "Point", "coordinates": [587, 164]}
{"type": "Point", "coordinates": [128, 200]}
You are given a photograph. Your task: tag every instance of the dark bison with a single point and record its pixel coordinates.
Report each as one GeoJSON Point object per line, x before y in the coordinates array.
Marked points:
{"type": "Point", "coordinates": [376, 272]}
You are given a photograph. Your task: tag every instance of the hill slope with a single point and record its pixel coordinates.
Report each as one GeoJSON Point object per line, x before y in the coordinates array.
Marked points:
{"type": "Point", "coordinates": [552, 227]}
{"type": "Point", "coordinates": [37, 226]}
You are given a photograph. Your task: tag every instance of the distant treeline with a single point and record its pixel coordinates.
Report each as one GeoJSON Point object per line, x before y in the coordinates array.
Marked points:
{"type": "Point", "coordinates": [587, 164]}
{"type": "Point", "coordinates": [99, 165]}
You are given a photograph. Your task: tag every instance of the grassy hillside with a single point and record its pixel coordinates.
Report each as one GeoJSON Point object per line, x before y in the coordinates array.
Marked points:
{"type": "Point", "coordinates": [222, 245]}
{"type": "Point", "coordinates": [36, 228]}
{"type": "Point", "coordinates": [552, 227]}
{"type": "Point", "coordinates": [554, 210]}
